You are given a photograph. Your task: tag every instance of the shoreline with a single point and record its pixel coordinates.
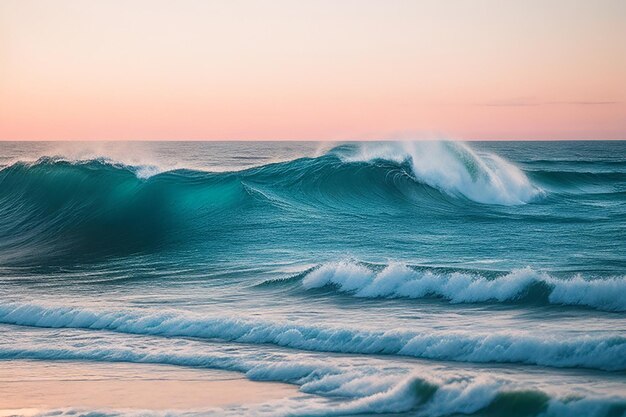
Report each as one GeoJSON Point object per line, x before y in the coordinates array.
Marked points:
{"type": "Point", "coordinates": [28, 387]}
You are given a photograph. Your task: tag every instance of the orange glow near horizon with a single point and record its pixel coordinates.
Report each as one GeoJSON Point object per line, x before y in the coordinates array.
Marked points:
{"type": "Point", "coordinates": [312, 70]}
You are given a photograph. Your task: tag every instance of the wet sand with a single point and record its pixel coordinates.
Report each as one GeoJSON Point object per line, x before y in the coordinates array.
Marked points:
{"type": "Point", "coordinates": [27, 387]}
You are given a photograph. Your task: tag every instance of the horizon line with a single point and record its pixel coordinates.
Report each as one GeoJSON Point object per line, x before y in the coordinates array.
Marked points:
{"type": "Point", "coordinates": [316, 140]}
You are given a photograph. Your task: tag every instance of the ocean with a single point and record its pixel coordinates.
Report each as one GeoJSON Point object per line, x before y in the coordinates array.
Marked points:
{"type": "Point", "coordinates": [394, 278]}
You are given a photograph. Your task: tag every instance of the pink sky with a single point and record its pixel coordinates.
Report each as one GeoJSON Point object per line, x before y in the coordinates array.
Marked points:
{"type": "Point", "coordinates": [318, 69]}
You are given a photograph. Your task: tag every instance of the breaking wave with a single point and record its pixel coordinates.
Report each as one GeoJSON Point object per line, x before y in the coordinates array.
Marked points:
{"type": "Point", "coordinates": [456, 169]}
{"type": "Point", "coordinates": [55, 207]}
{"type": "Point", "coordinates": [524, 285]}
{"type": "Point", "coordinates": [606, 352]}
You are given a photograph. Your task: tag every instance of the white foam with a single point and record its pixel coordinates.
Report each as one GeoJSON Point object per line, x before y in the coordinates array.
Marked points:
{"type": "Point", "coordinates": [348, 275]}
{"type": "Point", "coordinates": [606, 352]}
{"type": "Point", "coordinates": [398, 280]}
{"type": "Point", "coordinates": [456, 169]}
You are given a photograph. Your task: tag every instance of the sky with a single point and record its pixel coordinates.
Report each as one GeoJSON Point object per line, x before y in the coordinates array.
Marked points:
{"type": "Point", "coordinates": [312, 70]}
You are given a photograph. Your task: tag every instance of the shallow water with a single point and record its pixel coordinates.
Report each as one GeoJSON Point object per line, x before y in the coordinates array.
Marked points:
{"type": "Point", "coordinates": [427, 279]}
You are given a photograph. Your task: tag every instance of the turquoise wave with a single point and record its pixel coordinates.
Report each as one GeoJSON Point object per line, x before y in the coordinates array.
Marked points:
{"type": "Point", "coordinates": [59, 207]}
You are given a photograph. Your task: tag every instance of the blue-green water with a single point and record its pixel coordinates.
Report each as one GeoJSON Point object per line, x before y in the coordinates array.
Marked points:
{"type": "Point", "coordinates": [428, 278]}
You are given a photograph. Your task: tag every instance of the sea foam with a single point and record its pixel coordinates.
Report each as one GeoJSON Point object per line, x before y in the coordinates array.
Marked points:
{"type": "Point", "coordinates": [606, 352]}
{"type": "Point", "coordinates": [399, 280]}
{"type": "Point", "coordinates": [454, 168]}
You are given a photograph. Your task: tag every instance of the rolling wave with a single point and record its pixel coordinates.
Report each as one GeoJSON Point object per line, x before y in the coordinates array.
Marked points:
{"type": "Point", "coordinates": [606, 352]}
{"type": "Point", "coordinates": [580, 181]}
{"type": "Point", "coordinates": [435, 396]}
{"type": "Point", "coordinates": [56, 207]}
{"type": "Point", "coordinates": [525, 285]}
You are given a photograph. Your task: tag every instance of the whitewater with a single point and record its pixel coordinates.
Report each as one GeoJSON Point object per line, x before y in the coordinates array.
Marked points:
{"type": "Point", "coordinates": [392, 278]}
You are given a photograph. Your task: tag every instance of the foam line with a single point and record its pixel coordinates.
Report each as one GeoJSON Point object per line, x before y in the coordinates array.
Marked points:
{"type": "Point", "coordinates": [606, 352]}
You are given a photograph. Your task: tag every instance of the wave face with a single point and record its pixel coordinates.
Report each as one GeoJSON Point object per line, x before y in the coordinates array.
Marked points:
{"type": "Point", "coordinates": [99, 206]}
{"type": "Point", "coordinates": [399, 280]}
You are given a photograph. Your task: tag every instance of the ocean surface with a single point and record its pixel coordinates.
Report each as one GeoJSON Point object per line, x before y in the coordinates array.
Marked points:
{"type": "Point", "coordinates": [421, 279]}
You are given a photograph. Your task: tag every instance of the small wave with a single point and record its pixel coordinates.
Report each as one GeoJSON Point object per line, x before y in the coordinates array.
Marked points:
{"type": "Point", "coordinates": [399, 280]}
{"type": "Point", "coordinates": [436, 397]}
{"type": "Point", "coordinates": [141, 171]}
{"type": "Point", "coordinates": [579, 181]}
{"type": "Point", "coordinates": [607, 352]}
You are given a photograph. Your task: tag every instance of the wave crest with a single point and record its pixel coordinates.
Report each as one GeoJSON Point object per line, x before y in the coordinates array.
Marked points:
{"type": "Point", "coordinates": [400, 280]}
{"type": "Point", "coordinates": [456, 169]}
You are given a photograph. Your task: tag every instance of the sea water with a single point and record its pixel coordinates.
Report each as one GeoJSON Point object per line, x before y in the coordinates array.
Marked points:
{"type": "Point", "coordinates": [405, 278]}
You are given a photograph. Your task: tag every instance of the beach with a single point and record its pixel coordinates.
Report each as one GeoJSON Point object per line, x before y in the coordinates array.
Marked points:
{"type": "Point", "coordinates": [29, 387]}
